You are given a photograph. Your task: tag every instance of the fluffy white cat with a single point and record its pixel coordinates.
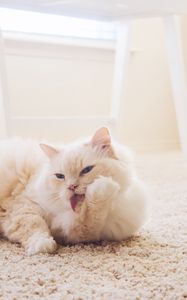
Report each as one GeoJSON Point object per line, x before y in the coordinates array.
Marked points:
{"type": "Point", "coordinates": [91, 192]}
{"type": "Point", "coordinates": [22, 220]}
{"type": "Point", "coordinates": [80, 192]}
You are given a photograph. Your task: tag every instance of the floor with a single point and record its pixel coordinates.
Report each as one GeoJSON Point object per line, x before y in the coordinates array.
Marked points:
{"type": "Point", "coordinates": [152, 265]}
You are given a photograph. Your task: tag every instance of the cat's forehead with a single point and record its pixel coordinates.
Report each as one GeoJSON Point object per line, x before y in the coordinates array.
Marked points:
{"type": "Point", "coordinates": [74, 158]}
{"type": "Point", "coordinates": [79, 154]}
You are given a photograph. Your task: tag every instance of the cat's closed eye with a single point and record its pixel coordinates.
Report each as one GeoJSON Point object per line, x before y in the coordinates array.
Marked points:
{"type": "Point", "coordinates": [59, 176]}
{"type": "Point", "coordinates": [86, 170]}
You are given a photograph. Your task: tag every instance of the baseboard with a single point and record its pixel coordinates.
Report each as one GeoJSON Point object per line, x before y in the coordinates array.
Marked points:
{"type": "Point", "coordinates": [153, 146]}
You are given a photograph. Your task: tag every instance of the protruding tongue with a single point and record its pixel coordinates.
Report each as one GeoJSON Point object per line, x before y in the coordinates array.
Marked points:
{"type": "Point", "coordinates": [75, 199]}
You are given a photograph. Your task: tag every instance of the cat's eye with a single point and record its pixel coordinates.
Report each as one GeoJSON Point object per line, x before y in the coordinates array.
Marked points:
{"type": "Point", "coordinates": [60, 176]}
{"type": "Point", "coordinates": [86, 170]}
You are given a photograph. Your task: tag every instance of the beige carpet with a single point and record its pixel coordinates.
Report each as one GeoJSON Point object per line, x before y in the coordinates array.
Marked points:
{"type": "Point", "coordinates": [153, 265]}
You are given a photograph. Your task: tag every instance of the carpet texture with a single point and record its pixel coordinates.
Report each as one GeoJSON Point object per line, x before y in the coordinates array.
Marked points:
{"type": "Point", "coordinates": [152, 265]}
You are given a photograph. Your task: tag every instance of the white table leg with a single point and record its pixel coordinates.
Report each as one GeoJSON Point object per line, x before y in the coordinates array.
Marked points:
{"type": "Point", "coordinates": [3, 92]}
{"type": "Point", "coordinates": [177, 73]}
{"type": "Point", "coordinates": [120, 68]}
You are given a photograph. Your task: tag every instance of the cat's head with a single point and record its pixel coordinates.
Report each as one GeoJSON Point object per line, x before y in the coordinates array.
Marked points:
{"type": "Point", "coordinates": [74, 167]}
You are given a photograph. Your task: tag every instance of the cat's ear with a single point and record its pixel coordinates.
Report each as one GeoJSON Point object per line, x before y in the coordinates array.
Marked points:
{"type": "Point", "coordinates": [101, 138]}
{"type": "Point", "coordinates": [48, 150]}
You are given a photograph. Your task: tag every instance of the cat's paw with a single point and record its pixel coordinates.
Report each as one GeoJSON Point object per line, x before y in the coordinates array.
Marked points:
{"type": "Point", "coordinates": [40, 243]}
{"type": "Point", "coordinates": [103, 188]}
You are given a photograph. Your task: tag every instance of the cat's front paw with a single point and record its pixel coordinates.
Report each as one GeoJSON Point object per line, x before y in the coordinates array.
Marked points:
{"type": "Point", "coordinates": [40, 243]}
{"type": "Point", "coordinates": [103, 188]}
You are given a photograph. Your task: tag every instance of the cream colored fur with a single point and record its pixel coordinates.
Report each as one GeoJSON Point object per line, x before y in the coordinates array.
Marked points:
{"type": "Point", "coordinates": [21, 218]}
{"type": "Point", "coordinates": [113, 205]}
{"type": "Point", "coordinates": [36, 205]}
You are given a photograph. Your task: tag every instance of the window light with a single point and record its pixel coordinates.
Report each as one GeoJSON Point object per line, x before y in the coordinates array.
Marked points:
{"type": "Point", "coordinates": [47, 24]}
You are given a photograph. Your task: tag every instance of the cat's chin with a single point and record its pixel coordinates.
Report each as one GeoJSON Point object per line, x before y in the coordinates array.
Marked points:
{"type": "Point", "coordinates": [76, 199]}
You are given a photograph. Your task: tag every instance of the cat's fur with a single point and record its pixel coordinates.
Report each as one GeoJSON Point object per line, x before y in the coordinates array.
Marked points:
{"type": "Point", "coordinates": [105, 202]}
{"type": "Point", "coordinates": [112, 202]}
{"type": "Point", "coordinates": [21, 218]}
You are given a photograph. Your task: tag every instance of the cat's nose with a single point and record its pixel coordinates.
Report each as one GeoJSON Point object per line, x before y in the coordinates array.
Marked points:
{"type": "Point", "coordinates": [72, 187]}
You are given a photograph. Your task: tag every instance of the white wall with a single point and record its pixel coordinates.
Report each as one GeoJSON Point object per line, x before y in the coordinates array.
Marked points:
{"type": "Point", "coordinates": [148, 118]}
{"type": "Point", "coordinates": [184, 37]}
{"type": "Point", "coordinates": [58, 80]}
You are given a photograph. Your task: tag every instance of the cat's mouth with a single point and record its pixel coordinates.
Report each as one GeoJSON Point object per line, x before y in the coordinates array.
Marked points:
{"type": "Point", "coordinates": [75, 199]}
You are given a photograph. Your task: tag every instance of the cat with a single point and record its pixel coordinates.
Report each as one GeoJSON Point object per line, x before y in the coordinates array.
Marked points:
{"type": "Point", "coordinates": [22, 220]}
{"type": "Point", "coordinates": [75, 193]}
{"type": "Point", "coordinates": [90, 191]}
